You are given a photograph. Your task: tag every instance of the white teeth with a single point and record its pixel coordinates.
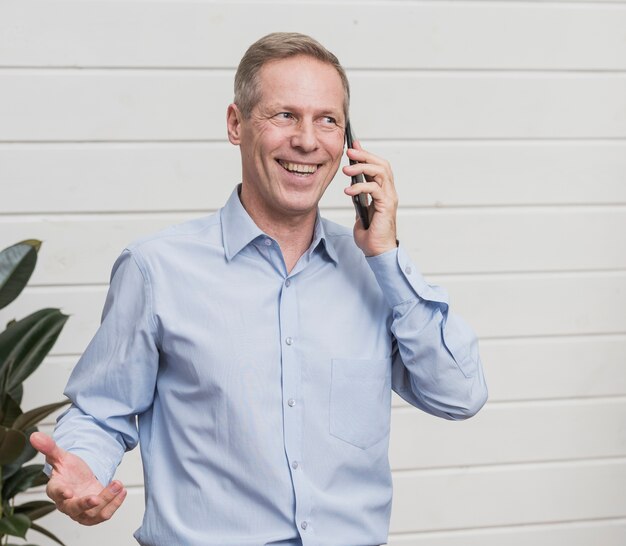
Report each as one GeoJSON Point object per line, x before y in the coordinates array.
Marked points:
{"type": "Point", "coordinates": [298, 168]}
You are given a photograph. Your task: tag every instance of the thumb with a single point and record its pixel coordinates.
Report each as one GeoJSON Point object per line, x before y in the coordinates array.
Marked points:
{"type": "Point", "coordinates": [48, 447]}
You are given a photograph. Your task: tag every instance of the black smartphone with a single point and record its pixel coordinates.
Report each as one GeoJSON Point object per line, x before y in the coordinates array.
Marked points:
{"type": "Point", "coordinates": [360, 201]}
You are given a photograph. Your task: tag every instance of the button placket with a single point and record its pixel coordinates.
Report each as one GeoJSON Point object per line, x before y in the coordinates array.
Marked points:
{"type": "Point", "coordinates": [291, 390]}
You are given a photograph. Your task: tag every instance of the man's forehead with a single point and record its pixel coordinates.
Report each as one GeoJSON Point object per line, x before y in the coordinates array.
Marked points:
{"type": "Point", "coordinates": [289, 82]}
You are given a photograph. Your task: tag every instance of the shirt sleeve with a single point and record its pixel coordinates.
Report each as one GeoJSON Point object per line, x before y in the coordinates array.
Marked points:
{"type": "Point", "coordinates": [115, 378]}
{"type": "Point", "coordinates": [436, 364]}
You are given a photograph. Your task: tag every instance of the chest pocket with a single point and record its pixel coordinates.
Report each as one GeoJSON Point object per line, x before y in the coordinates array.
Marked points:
{"type": "Point", "coordinates": [360, 400]}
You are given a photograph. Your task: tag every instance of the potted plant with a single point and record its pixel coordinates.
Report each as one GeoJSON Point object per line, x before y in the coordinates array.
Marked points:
{"type": "Point", "coordinates": [23, 345]}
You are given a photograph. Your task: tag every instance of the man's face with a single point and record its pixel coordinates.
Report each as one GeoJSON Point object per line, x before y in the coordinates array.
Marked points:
{"type": "Point", "coordinates": [291, 146]}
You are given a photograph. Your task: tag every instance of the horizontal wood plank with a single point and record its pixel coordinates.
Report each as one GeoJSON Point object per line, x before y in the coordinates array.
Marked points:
{"type": "Point", "coordinates": [510, 433]}
{"type": "Point", "coordinates": [583, 533]}
{"type": "Point", "coordinates": [508, 495]}
{"type": "Point", "coordinates": [508, 240]}
{"type": "Point", "coordinates": [444, 106]}
{"type": "Point", "coordinates": [540, 305]}
{"type": "Point", "coordinates": [193, 176]}
{"type": "Point", "coordinates": [190, 105]}
{"type": "Point", "coordinates": [93, 105]}
{"type": "Point", "coordinates": [425, 35]}
{"type": "Point", "coordinates": [548, 368]}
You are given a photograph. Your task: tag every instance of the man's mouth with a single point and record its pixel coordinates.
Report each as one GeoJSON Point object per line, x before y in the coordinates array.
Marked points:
{"type": "Point", "coordinates": [298, 168]}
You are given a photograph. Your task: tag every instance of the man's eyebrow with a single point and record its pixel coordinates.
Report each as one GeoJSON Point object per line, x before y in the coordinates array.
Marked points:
{"type": "Point", "coordinates": [285, 107]}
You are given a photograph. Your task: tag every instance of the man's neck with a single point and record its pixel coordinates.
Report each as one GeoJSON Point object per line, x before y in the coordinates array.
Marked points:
{"type": "Point", "coordinates": [294, 234]}
{"type": "Point", "coordinates": [293, 240]}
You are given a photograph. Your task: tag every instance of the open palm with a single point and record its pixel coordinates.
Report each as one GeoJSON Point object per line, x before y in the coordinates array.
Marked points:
{"type": "Point", "coordinates": [73, 486]}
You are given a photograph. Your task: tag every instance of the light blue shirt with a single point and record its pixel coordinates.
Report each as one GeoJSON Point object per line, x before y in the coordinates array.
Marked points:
{"type": "Point", "coordinates": [263, 397]}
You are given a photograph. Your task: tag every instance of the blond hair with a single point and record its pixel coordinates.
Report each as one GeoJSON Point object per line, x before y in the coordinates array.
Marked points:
{"type": "Point", "coordinates": [275, 46]}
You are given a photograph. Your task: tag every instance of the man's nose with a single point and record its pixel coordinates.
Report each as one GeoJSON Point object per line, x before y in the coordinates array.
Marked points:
{"type": "Point", "coordinates": [305, 137]}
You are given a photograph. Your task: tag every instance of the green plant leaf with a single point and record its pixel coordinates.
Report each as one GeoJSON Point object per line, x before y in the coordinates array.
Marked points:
{"type": "Point", "coordinates": [9, 411]}
{"type": "Point", "coordinates": [35, 509]}
{"type": "Point", "coordinates": [12, 443]}
{"type": "Point", "coordinates": [24, 345]}
{"type": "Point", "coordinates": [45, 532]}
{"type": "Point", "coordinates": [28, 453]}
{"type": "Point", "coordinates": [25, 478]}
{"type": "Point", "coordinates": [15, 525]}
{"type": "Point", "coordinates": [17, 264]}
{"type": "Point", "coordinates": [32, 417]}
{"type": "Point", "coordinates": [16, 392]}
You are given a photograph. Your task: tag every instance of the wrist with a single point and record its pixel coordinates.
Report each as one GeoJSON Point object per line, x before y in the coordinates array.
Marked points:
{"type": "Point", "coordinates": [382, 249]}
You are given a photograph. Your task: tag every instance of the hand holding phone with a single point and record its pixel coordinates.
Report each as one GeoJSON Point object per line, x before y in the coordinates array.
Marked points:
{"type": "Point", "coordinates": [360, 201]}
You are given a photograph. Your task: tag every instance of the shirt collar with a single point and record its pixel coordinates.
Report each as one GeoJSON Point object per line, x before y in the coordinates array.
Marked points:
{"type": "Point", "coordinates": [239, 230]}
{"type": "Point", "coordinates": [321, 240]}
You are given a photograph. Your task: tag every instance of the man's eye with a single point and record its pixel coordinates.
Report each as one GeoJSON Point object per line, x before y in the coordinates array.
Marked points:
{"type": "Point", "coordinates": [329, 120]}
{"type": "Point", "coordinates": [284, 115]}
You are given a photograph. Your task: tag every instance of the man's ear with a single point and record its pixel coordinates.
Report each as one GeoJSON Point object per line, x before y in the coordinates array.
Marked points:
{"type": "Point", "coordinates": [233, 124]}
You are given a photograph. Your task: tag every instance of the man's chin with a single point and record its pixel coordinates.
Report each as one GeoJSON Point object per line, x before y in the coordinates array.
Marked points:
{"type": "Point", "coordinates": [299, 204]}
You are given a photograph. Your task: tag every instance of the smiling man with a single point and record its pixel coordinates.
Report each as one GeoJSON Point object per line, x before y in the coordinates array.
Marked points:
{"type": "Point", "coordinates": [291, 145]}
{"type": "Point", "coordinates": [252, 353]}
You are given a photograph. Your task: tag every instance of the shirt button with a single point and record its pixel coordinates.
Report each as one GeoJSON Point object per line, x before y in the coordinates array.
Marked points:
{"type": "Point", "coordinates": [289, 341]}
{"type": "Point", "coordinates": [294, 465]}
{"type": "Point", "coordinates": [304, 525]}
{"type": "Point", "coordinates": [287, 283]}
{"type": "Point", "coordinates": [408, 270]}
{"type": "Point", "coordinates": [268, 242]}
{"type": "Point", "coordinates": [291, 402]}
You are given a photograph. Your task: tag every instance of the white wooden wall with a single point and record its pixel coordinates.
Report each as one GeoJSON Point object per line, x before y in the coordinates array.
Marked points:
{"type": "Point", "coordinates": [506, 126]}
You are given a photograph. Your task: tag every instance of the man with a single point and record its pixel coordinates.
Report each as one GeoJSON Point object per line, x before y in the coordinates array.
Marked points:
{"type": "Point", "coordinates": [258, 346]}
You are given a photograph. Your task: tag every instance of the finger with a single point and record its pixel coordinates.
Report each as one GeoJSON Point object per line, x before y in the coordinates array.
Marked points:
{"type": "Point", "coordinates": [373, 189]}
{"type": "Point", "coordinates": [76, 507]}
{"type": "Point", "coordinates": [363, 156]}
{"type": "Point", "coordinates": [106, 511]}
{"type": "Point", "coordinates": [372, 173]}
{"type": "Point", "coordinates": [101, 507]}
{"type": "Point", "coordinates": [108, 494]}
{"type": "Point", "coordinates": [94, 503]}
{"type": "Point", "coordinates": [382, 201]}
{"type": "Point", "coordinates": [48, 447]}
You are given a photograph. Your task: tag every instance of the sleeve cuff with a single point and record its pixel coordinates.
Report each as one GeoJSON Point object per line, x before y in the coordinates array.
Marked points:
{"type": "Point", "coordinates": [103, 474]}
{"type": "Point", "coordinates": [401, 281]}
